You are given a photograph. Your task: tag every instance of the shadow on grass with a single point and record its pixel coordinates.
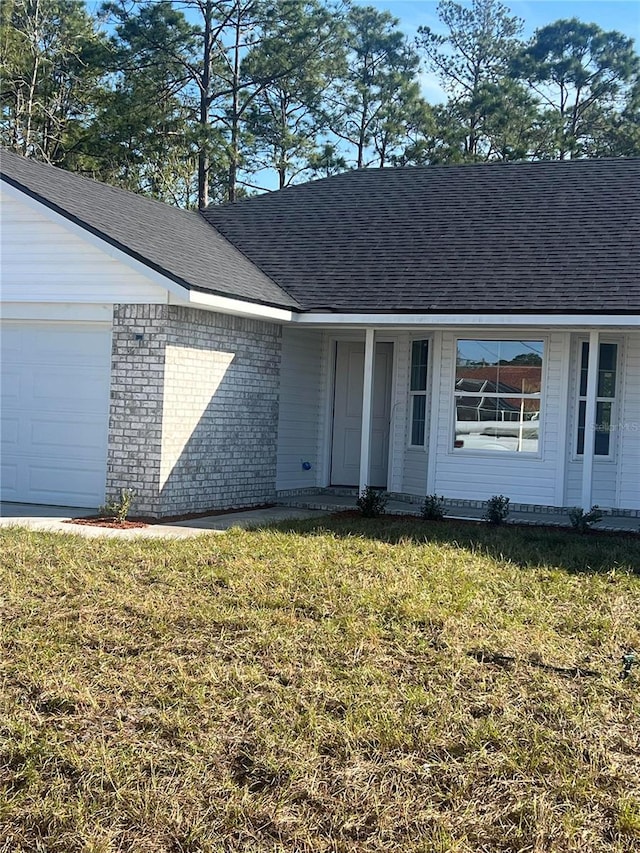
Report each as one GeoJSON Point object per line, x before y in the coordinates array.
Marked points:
{"type": "Point", "coordinates": [526, 546]}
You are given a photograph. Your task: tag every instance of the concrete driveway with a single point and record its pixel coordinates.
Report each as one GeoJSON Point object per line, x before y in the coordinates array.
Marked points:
{"type": "Point", "coordinates": [56, 519]}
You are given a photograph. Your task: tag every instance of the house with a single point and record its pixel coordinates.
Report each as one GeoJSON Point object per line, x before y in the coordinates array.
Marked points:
{"type": "Point", "coordinates": [459, 330]}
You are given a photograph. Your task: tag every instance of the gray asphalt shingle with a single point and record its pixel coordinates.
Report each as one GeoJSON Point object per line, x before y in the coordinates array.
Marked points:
{"type": "Point", "coordinates": [559, 237]}
{"type": "Point", "coordinates": [177, 243]}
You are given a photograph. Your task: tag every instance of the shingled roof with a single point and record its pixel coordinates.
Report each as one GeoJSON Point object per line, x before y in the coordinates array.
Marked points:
{"type": "Point", "coordinates": [177, 243]}
{"type": "Point", "coordinates": [545, 237]}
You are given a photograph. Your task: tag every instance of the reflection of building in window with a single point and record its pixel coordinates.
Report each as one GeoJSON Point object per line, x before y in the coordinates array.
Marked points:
{"type": "Point", "coordinates": [497, 395]}
{"type": "Point", "coordinates": [418, 392]}
{"type": "Point", "coordinates": [606, 395]}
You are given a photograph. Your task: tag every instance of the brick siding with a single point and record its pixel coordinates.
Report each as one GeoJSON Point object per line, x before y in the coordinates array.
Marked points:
{"type": "Point", "coordinates": [194, 409]}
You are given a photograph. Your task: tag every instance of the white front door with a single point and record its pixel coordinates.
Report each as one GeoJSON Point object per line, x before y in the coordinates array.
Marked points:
{"type": "Point", "coordinates": [347, 414]}
{"type": "Point", "coordinates": [55, 412]}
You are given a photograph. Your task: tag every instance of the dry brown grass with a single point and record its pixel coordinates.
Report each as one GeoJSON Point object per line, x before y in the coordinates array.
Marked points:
{"type": "Point", "coordinates": [347, 686]}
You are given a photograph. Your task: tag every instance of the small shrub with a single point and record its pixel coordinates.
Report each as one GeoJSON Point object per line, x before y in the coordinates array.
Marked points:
{"type": "Point", "coordinates": [433, 508]}
{"type": "Point", "coordinates": [581, 521]}
{"type": "Point", "coordinates": [118, 508]}
{"type": "Point", "coordinates": [372, 502]}
{"type": "Point", "coordinates": [497, 510]}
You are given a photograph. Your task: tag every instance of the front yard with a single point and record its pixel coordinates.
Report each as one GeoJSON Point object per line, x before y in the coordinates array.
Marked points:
{"type": "Point", "coordinates": [335, 686]}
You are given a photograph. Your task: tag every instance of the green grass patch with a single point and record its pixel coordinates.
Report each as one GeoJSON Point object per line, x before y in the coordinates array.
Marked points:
{"type": "Point", "coordinates": [323, 687]}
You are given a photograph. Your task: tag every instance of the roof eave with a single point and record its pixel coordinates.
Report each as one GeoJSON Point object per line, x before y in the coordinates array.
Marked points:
{"type": "Point", "coordinates": [628, 319]}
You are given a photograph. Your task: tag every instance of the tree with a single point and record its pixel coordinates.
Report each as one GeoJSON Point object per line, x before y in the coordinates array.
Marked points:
{"type": "Point", "coordinates": [326, 161]}
{"type": "Point", "coordinates": [472, 62]}
{"type": "Point", "coordinates": [512, 125]}
{"type": "Point", "coordinates": [220, 82]}
{"type": "Point", "coordinates": [142, 137]}
{"type": "Point", "coordinates": [284, 119]}
{"type": "Point", "coordinates": [622, 138]}
{"type": "Point", "coordinates": [198, 55]}
{"type": "Point", "coordinates": [53, 60]}
{"type": "Point", "coordinates": [368, 104]}
{"type": "Point", "coordinates": [581, 75]}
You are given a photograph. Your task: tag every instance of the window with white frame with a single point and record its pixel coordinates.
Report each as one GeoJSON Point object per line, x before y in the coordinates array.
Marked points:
{"type": "Point", "coordinates": [605, 399]}
{"type": "Point", "coordinates": [418, 392]}
{"type": "Point", "coordinates": [498, 388]}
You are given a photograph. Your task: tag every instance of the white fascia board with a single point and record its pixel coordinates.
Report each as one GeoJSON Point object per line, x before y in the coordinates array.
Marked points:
{"type": "Point", "coordinates": [407, 321]}
{"type": "Point", "coordinates": [94, 240]}
{"type": "Point", "coordinates": [237, 307]}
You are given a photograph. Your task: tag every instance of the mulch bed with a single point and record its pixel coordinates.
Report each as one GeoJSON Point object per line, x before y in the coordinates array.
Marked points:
{"type": "Point", "coordinates": [144, 521]}
{"type": "Point", "coordinates": [138, 522]}
{"type": "Point", "coordinates": [96, 521]}
{"type": "Point", "coordinates": [450, 519]}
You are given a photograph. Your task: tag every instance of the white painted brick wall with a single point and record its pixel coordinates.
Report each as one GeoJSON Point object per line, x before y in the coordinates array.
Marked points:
{"type": "Point", "coordinates": [194, 409]}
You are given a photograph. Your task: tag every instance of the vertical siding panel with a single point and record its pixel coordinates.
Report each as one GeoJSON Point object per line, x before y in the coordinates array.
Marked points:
{"type": "Point", "coordinates": [301, 416]}
{"type": "Point", "coordinates": [629, 427]}
{"type": "Point", "coordinates": [399, 413]}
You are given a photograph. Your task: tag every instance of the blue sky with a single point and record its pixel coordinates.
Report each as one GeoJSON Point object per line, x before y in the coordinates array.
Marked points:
{"type": "Point", "coordinates": [621, 15]}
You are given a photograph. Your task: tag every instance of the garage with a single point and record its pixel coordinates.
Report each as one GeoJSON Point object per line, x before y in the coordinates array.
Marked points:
{"type": "Point", "coordinates": [55, 412]}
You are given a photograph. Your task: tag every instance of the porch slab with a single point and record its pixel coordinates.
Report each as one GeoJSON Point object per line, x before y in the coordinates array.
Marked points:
{"type": "Point", "coordinates": [338, 503]}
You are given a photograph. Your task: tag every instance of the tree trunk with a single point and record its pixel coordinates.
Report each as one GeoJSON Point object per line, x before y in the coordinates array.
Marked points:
{"type": "Point", "coordinates": [234, 154]}
{"type": "Point", "coordinates": [203, 118]}
{"type": "Point", "coordinates": [34, 78]}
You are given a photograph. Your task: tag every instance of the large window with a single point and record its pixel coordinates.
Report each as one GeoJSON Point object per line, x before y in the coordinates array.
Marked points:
{"type": "Point", "coordinates": [497, 395]}
{"type": "Point", "coordinates": [606, 395]}
{"type": "Point", "coordinates": [418, 392]}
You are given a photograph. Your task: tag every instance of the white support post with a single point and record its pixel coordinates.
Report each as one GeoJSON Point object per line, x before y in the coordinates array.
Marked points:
{"type": "Point", "coordinates": [590, 420]}
{"type": "Point", "coordinates": [367, 408]}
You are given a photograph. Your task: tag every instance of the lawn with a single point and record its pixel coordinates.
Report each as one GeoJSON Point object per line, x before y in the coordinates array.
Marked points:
{"type": "Point", "coordinates": [335, 685]}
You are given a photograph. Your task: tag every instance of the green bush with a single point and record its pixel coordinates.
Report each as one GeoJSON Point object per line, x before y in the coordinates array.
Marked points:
{"type": "Point", "coordinates": [118, 508]}
{"type": "Point", "coordinates": [497, 510]}
{"type": "Point", "coordinates": [581, 521]}
{"type": "Point", "coordinates": [433, 508]}
{"type": "Point", "coordinates": [372, 502]}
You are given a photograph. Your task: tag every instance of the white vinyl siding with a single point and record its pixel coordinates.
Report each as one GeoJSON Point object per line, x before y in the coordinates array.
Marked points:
{"type": "Point", "coordinates": [301, 408]}
{"type": "Point", "coordinates": [415, 472]}
{"type": "Point", "coordinates": [43, 261]}
{"type": "Point", "coordinates": [397, 434]}
{"type": "Point", "coordinates": [628, 435]}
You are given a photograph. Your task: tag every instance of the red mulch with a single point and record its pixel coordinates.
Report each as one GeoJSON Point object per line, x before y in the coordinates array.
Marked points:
{"type": "Point", "coordinates": [96, 521]}
{"type": "Point", "coordinates": [144, 521]}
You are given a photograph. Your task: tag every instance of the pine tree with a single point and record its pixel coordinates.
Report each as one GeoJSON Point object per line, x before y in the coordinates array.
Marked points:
{"type": "Point", "coordinates": [472, 62]}
{"type": "Point", "coordinates": [53, 70]}
{"type": "Point", "coordinates": [581, 76]}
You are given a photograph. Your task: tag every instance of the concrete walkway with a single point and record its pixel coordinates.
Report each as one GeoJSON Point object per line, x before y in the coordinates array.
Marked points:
{"type": "Point", "coordinates": [50, 518]}
{"type": "Point", "coordinates": [56, 519]}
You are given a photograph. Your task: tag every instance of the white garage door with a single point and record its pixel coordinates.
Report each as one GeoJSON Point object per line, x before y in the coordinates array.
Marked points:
{"type": "Point", "coordinates": [55, 412]}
